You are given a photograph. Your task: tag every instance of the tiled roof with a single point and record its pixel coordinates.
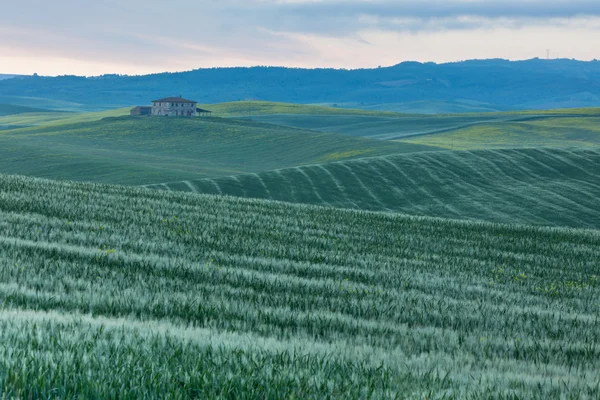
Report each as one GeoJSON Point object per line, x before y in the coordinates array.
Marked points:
{"type": "Point", "coordinates": [174, 100]}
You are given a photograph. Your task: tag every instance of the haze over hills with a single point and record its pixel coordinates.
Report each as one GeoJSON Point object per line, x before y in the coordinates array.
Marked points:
{"type": "Point", "coordinates": [476, 85]}
{"type": "Point", "coordinates": [7, 76]}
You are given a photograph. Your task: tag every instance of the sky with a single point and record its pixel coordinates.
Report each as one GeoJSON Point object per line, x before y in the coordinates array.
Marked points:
{"type": "Point", "coordinates": [80, 37]}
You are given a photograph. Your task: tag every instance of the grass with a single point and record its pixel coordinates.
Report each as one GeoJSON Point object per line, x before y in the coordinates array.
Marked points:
{"type": "Point", "coordinates": [58, 118]}
{"type": "Point", "coordinates": [259, 108]}
{"type": "Point", "coordinates": [460, 131]}
{"type": "Point", "coordinates": [10, 109]}
{"type": "Point", "coordinates": [542, 186]}
{"type": "Point", "coordinates": [137, 150]}
{"type": "Point", "coordinates": [547, 131]}
{"type": "Point", "coordinates": [42, 103]}
{"type": "Point", "coordinates": [123, 292]}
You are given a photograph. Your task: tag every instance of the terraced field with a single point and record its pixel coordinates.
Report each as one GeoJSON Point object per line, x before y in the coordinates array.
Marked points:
{"type": "Point", "coordinates": [543, 186]}
{"type": "Point", "coordinates": [136, 151]}
{"type": "Point", "coordinates": [123, 292]}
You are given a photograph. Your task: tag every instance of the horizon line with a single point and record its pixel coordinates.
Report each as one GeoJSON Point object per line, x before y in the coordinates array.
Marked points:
{"type": "Point", "coordinates": [300, 68]}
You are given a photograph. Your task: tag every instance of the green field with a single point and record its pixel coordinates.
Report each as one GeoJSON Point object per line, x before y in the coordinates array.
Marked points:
{"type": "Point", "coordinates": [388, 267]}
{"type": "Point", "coordinates": [460, 131]}
{"type": "Point", "coordinates": [577, 130]}
{"type": "Point", "coordinates": [137, 151]}
{"type": "Point", "coordinates": [111, 291]}
{"type": "Point", "coordinates": [541, 186]}
{"type": "Point", "coordinates": [11, 109]}
{"type": "Point", "coordinates": [57, 118]}
{"type": "Point", "coordinates": [265, 108]}
{"type": "Point", "coordinates": [426, 106]}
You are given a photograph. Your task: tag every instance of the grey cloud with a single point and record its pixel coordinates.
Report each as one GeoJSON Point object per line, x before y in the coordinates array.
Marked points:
{"type": "Point", "coordinates": [449, 8]}
{"type": "Point", "coordinates": [343, 16]}
{"type": "Point", "coordinates": [148, 31]}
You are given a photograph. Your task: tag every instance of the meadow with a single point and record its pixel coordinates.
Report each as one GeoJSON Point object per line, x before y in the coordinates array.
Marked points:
{"type": "Point", "coordinates": [323, 253]}
{"type": "Point", "coordinates": [110, 291]}
{"type": "Point", "coordinates": [571, 127]}
{"type": "Point", "coordinates": [127, 150]}
{"type": "Point", "coordinates": [539, 186]}
{"type": "Point", "coordinates": [550, 130]}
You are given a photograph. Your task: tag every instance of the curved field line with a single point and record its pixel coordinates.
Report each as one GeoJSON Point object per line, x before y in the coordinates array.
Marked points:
{"type": "Point", "coordinates": [216, 185]}
{"type": "Point", "coordinates": [338, 185]}
{"type": "Point", "coordinates": [315, 188]}
{"type": "Point", "coordinates": [375, 168]}
{"type": "Point", "coordinates": [189, 184]}
{"type": "Point", "coordinates": [262, 182]}
{"type": "Point", "coordinates": [364, 187]}
{"type": "Point", "coordinates": [235, 178]}
{"type": "Point", "coordinates": [501, 190]}
{"type": "Point", "coordinates": [417, 187]}
{"type": "Point", "coordinates": [471, 187]}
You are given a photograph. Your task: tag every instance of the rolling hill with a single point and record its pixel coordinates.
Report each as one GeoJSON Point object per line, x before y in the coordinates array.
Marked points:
{"type": "Point", "coordinates": [464, 131]}
{"type": "Point", "coordinates": [135, 151]}
{"type": "Point", "coordinates": [542, 186]}
{"type": "Point", "coordinates": [473, 85]}
{"type": "Point", "coordinates": [122, 292]}
{"type": "Point", "coordinates": [7, 76]}
{"type": "Point", "coordinates": [252, 109]}
{"type": "Point", "coordinates": [11, 109]}
{"type": "Point", "coordinates": [582, 128]}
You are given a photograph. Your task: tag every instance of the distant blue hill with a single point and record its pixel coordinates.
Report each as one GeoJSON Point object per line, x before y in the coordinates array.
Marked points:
{"type": "Point", "coordinates": [476, 85]}
{"type": "Point", "coordinates": [7, 76]}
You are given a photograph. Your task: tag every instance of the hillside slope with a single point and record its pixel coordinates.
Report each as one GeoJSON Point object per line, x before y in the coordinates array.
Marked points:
{"type": "Point", "coordinates": [136, 151]}
{"type": "Point", "coordinates": [10, 109]}
{"type": "Point", "coordinates": [533, 186]}
{"type": "Point", "coordinates": [252, 109]}
{"type": "Point", "coordinates": [581, 128]}
{"type": "Point", "coordinates": [463, 131]}
{"type": "Point", "coordinates": [121, 292]}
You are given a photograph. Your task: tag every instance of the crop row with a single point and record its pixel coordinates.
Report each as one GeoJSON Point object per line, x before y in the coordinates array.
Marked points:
{"type": "Point", "coordinates": [529, 186]}
{"type": "Point", "coordinates": [187, 294]}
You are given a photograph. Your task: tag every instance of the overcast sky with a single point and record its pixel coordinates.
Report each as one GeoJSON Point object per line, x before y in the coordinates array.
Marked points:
{"type": "Point", "coordinates": [142, 36]}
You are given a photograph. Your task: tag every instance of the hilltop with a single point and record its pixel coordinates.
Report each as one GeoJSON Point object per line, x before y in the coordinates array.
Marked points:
{"type": "Point", "coordinates": [7, 76]}
{"type": "Point", "coordinates": [540, 186]}
{"type": "Point", "coordinates": [137, 150]}
{"type": "Point", "coordinates": [476, 85]}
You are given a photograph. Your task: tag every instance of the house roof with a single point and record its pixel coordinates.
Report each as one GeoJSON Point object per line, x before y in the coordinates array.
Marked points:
{"type": "Point", "coordinates": [141, 107]}
{"type": "Point", "coordinates": [200, 110]}
{"type": "Point", "coordinates": [175, 100]}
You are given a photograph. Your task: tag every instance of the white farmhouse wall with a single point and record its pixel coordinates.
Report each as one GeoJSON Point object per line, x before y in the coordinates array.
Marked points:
{"type": "Point", "coordinates": [174, 109]}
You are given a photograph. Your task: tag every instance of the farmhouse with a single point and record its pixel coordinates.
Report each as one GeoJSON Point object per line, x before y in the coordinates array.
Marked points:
{"type": "Point", "coordinates": [171, 107]}
{"type": "Point", "coordinates": [174, 107]}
